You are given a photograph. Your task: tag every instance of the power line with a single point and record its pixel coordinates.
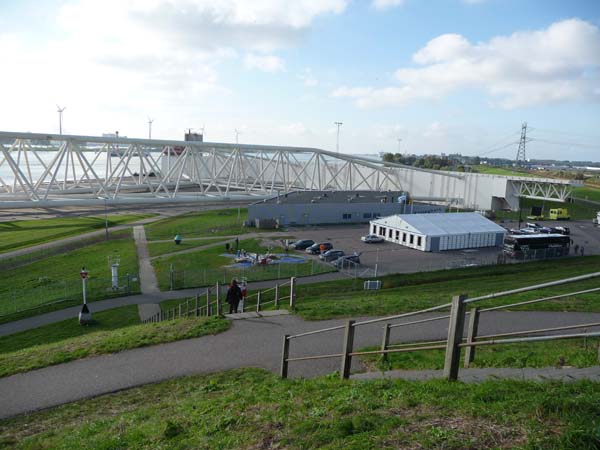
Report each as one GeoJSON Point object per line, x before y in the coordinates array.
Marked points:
{"type": "Point", "coordinates": [575, 144]}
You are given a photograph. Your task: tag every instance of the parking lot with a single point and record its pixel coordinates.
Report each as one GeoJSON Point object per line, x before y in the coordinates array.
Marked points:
{"type": "Point", "coordinates": [390, 258]}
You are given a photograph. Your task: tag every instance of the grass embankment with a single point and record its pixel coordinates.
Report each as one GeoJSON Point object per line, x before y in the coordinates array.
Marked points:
{"type": "Point", "coordinates": [163, 248]}
{"type": "Point", "coordinates": [115, 330]}
{"type": "Point", "coordinates": [587, 193]}
{"type": "Point", "coordinates": [412, 292]}
{"type": "Point", "coordinates": [577, 210]}
{"type": "Point", "coordinates": [54, 283]}
{"type": "Point", "coordinates": [206, 267]}
{"type": "Point", "coordinates": [574, 352]}
{"type": "Point", "coordinates": [251, 409]}
{"type": "Point", "coordinates": [26, 233]}
{"type": "Point", "coordinates": [222, 222]}
{"type": "Point", "coordinates": [491, 170]}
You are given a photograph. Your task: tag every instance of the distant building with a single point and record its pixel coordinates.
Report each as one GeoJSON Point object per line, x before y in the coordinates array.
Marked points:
{"type": "Point", "coordinates": [329, 207]}
{"type": "Point", "coordinates": [439, 232]}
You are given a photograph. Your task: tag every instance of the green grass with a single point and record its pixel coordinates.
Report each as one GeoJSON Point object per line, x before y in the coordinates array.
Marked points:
{"type": "Point", "coordinates": [115, 330]}
{"type": "Point", "coordinates": [502, 171]}
{"type": "Point", "coordinates": [573, 352]}
{"type": "Point", "coordinates": [223, 222]}
{"type": "Point", "coordinates": [253, 409]}
{"type": "Point", "coordinates": [413, 292]}
{"type": "Point", "coordinates": [587, 193]}
{"type": "Point", "coordinates": [205, 267]}
{"type": "Point", "coordinates": [56, 279]}
{"type": "Point", "coordinates": [577, 210]}
{"type": "Point", "coordinates": [162, 248]}
{"type": "Point", "coordinates": [26, 233]}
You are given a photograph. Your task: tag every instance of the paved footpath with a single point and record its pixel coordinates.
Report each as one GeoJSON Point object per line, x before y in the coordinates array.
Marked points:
{"type": "Point", "coordinates": [253, 342]}
{"type": "Point", "coordinates": [148, 282]}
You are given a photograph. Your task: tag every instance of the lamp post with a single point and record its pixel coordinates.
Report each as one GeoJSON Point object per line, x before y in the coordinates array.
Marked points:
{"type": "Point", "coordinates": [337, 141]}
{"type": "Point", "coordinates": [85, 316]}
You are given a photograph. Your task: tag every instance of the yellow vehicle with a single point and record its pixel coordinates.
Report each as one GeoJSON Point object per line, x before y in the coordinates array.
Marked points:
{"type": "Point", "coordinates": [559, 214]}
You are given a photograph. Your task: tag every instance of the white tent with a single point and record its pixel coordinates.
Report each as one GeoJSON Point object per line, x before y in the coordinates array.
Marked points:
{"type": "Point", "coordinates": [439, 232]}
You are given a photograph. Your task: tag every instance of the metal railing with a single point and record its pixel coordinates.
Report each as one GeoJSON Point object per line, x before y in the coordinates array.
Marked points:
{"type": "Point", "coordinates": [456, 321]}
{"type": "Point", "coordinates": [202, 304]}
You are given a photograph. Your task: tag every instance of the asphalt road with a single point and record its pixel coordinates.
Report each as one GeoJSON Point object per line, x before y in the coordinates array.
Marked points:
{"type": "Point", "coordinates": [248, 343]}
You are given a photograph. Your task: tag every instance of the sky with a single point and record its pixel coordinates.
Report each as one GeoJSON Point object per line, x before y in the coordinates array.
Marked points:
{"type": "Point", "coordinates": [408, 76]}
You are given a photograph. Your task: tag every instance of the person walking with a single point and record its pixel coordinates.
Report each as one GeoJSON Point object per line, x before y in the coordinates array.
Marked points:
{"type": "Point", "coordinates": [234, 295]}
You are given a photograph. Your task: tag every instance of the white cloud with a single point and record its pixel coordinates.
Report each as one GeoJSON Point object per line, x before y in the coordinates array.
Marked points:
{"type": "Point", "coordinates": [308, 78]}
{"type": "Point", "coordinates": [381, 5]}
{"type": "Point", "coordinates": [265, 63]}
{"type": "Point", "coordinates": [132, 57]}
{"type": "Point", "coordinates": [556, 64]}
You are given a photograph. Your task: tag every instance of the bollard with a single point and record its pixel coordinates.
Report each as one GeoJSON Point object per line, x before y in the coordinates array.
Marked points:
{"type": "Point", "coordinates": [385, 341]}
{"type": "Point", "coordinates": [277, 296]}
{"type": "Point", "coordinates": [258, 301]}
{"type": "Point", "coordinates": [471, 335]}
{"type": "Point", "coordinates": [292, 292]}
{"type": "Point", "coordinates": [348, 344]}
{"type": "Point", "coordinates": [455, 332]}
{"type": "Point", "coordinates": [285, 355]}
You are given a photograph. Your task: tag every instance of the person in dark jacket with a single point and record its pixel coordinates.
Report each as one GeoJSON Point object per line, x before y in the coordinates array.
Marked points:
{"type": "Point", "coordinates": [234, 295]}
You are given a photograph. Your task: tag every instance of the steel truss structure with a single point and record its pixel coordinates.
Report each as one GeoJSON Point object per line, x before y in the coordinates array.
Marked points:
{"type": "Point", "coordinates": [57, 170]}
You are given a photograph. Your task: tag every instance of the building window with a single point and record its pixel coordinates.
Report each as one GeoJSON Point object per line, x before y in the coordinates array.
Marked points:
{"type": "Point", "coordinates": [367, 215]}
{"type": "Point", "coordinates": [412, 238]}
{"type": "Point", "coordinates": [346, 216]}
{"type": "Point", "coordinates": [397, 235]}
{"type": "Point", "coordinates": [374, 229]}
{"type": "Point", "coordinates": [419, 241]}
{"type": "Point", "coordinates": [403, 237]}
{"type": "Point", "coordinates": [390, 233]}
{"type": "Point", "coordinates": [382, 231]}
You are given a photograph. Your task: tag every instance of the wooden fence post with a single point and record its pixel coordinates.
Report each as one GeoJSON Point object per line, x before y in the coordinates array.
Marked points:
{"type": "Point", "coordinates": [292, 292]}
{"type": "Point", "coordinates": [284, 356]}
{"type": "Point", "coordinates": [277, 296]}
{"type": "Point", "coordinates": [258, 295]}
{"type": "Point", "coordinates": [455, 332]}
{"type": "Point", "coordinates": [385, 341]}
{"type": "Point", "coordinates": [471, 335]}
{"type": "Point", "coordinates": [347, 349]}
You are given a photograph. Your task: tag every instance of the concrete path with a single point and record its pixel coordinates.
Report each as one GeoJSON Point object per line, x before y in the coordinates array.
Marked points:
{"type": "Point", "coordinates": [148, 281]}
{"type": "Point", "coordinates": [103, 305]}
{"type": "Point", "coordinates": [248, 343]}
{"type": "Point", "coordinates": [565, 374]}
{"type": "Point", "coordinates": [147, 310]}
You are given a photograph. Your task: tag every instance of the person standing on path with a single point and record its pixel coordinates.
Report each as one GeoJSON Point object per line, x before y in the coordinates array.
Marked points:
{"type": "Point", "coordinates": [234, 295]}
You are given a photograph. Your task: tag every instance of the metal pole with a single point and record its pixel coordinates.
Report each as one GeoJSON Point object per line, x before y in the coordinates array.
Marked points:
{"type": "Point", "coordinates": [218, 299]}
{"type": "Point", "coordinates": [207, 300]}
{"type": "Point", "coordinates": [196, 306]}
{"type": "Point", "coordinates": [292, 292]}
{"type": "Point", "coordinates": [347, 349]}
{"type": "Point", "coordinates": [171, 277]}
{"type": "Point", "coordinates": [455, 332]}
{"type": "Point", "coordinates": [187, 308]}
{"type": "Point", "coordinates": [258, 301]}
{"type": "Point", "coordinates": [285, 355]}
{"type": "Point", "coordinates": [277, 296]}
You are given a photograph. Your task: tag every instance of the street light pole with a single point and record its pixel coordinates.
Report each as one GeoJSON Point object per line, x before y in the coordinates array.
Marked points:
{"type": "Point", "coordinates": [150, 127]}
{"type": "Point", "coordinates": [337, 141]}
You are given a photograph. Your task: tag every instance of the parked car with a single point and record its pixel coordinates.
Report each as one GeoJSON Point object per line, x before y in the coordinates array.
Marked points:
{"type": "Point", "coordinates": [331, 255]}
{"type": "Point", "coordinates": [372, 239]}
{"type": "Point", "coordinates": [320, 247]}
{"type": "Point", "coordinates": [562, 230]}
{"type": "Point", "coordinates": [302, 244]}
{"type": "Point", "coordinates": [346, 261]}
{"type": "Point", "coordinates": [533, 225]}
